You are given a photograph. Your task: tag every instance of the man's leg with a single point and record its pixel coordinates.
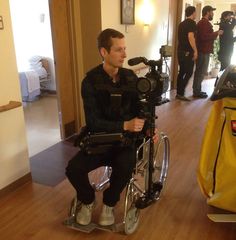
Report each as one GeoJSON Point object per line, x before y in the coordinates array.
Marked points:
{"type": "Point", "coordinates": [77, 173]}
{"type": "Point", "coordinates": [122, 163]}
{"type": "Point", "coordinates": [181, 74]}
{"type": "Point", "coordinates": [225, 61]}
{"type": "Point", "coordinates": [180, 77]}
{"type": "Point", "coordinates": [188, 66]}
{"type": "Point", "coordinates": [201, 70]}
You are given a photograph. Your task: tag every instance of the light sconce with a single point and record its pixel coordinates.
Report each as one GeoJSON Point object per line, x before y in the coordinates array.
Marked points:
{"type": "Point", "coordinates": [1, 23]}
{"type": "Point", "coordinates": [146, 13]}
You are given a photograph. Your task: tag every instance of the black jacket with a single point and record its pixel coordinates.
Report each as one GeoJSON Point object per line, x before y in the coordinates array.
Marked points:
{"type": "Point", "coordinates": [104, 113]}
{"type": "Point", "coordinates": [226, 39]}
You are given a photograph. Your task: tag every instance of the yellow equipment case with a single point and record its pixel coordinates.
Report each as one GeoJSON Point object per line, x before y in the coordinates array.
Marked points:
{"type": "Point", "coordinates": [217, 167]}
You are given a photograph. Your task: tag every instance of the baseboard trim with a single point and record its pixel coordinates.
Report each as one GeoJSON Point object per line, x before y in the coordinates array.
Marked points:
{"type": "Point", "coordinates": [18, 183]}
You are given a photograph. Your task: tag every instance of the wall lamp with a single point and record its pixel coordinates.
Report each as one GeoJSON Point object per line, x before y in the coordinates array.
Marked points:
{"type": "Point", "coordinates": [146, 13]}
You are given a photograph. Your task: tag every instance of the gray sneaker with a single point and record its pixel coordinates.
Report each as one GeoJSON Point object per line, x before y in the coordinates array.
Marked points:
{"type": "Point", "coordinates": [107, 216]}
{"type": "Point", "coordinates": [84, 215]}
{"type": "Point", "coordinates": [182, 98]}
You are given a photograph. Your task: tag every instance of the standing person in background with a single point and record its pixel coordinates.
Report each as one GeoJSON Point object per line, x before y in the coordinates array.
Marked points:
{"type": "Point", "coordinates": [187, 51]}
{"type": "Point", "coordinates": [227, 40]}
{"type": "Point", "coordinates": [205, 40]}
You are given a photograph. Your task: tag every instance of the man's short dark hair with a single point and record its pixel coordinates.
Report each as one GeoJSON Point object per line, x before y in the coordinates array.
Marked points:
{"type": "Point", "coordinates": [189, 11]}
{"type": "Point", "coordinates": [207, 9]}
{"type": "Point", "coordinates": [105, 37]}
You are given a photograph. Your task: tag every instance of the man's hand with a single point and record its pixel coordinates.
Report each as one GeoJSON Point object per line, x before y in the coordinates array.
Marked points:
{"type": "Point", "coordinates": [134, 125]}
{"type": "Point", "coordinates": [155, 137]}
{"type": "Point", "coordinates": [220, 32]}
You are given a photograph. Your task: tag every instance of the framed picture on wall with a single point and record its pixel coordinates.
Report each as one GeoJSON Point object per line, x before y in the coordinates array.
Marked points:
{"type": "Point", "coordinates": [127, 11]}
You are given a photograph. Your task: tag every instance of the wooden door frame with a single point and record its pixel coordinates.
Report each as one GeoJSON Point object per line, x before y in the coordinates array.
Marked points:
{"type": "Point", "coordinates": [82, 50]}
{"type": "Point", "coordinates": [70, 116]}
{"type": "Point", "coordinates": [175, 16]}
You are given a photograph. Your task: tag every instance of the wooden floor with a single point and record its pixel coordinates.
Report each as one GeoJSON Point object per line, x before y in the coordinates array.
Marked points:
{"type": "Point", "coordinates": [36, 212]}
{"type": "Point", "coordinates": [42, 123]}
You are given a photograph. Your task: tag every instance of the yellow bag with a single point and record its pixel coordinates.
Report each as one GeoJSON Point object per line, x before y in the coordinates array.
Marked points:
{"type": "Point", "coordinates": [217, 167]}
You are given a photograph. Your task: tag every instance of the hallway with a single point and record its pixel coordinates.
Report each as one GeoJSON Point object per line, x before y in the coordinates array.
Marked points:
{"type": "Point", "coordinates": [36, 212]}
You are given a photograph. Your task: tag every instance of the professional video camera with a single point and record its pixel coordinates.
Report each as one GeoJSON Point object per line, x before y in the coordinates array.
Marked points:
{"type": "Point", "coordinates": [155, 82]}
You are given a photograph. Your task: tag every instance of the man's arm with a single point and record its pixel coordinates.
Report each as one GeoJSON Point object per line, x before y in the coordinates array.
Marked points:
{"type": "Point", "coordinates": [205, 32]}
{"type": "Point", "coordinates": [192, 42]}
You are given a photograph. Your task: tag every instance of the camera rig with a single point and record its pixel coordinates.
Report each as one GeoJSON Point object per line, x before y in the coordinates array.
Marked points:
{"type": "Point", "coordinates": [151, 87]}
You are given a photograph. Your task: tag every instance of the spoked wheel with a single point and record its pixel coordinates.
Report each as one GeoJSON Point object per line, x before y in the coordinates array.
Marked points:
{"type": "Point", "coordinates": [131, 215]}
{"type": "Point", "coordinates": [73, 207]}
{"type": "Point", "coordinates": [160, 164]}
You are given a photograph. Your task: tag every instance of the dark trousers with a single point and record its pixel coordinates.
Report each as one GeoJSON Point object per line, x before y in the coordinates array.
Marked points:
{"type": "Point", "coordinates": [200, 71]}
{"type": "Point", "coordinates": [122, 161]}
{"type": "Point", "coordinates": [225, 61]}
{"type": "Point", "coordinates": [186, 65]}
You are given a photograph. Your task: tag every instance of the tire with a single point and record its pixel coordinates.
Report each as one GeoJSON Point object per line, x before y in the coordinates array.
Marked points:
{"type": "Point", "coordinates": [73, 208]}
{"type": "Point", "coordinates": [160, 164]}
{"type": "Point", "coordinates": [132, 214]}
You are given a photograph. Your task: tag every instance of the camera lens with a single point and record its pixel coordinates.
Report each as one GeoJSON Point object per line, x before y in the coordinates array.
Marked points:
{"type": "Point", "coordinates": [143, 85]}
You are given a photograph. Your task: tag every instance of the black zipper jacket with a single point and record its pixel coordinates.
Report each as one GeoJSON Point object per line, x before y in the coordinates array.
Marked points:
{"type": "Point", "coordinates": [106, 112]}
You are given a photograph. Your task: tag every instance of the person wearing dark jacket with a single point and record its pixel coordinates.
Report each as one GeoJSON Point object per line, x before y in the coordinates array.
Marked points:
{"type": "Point", "coordinates": [187, 51]}
{"type": "Point", "coordinates": [105, 112]}
{"type": "Point", "coordinates": [227, 39]}
{"type": "Point", "coordinates": [205, 40]}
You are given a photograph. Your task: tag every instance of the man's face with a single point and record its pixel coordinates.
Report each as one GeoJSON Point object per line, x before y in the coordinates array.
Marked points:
{"type": "Point", "coordinates": [210, 15]}
{"type": "Point", "coordinates": [194, 15]}
{"type": "Point", "coordinates": [228, 17]}
{"type": "Point", "coordinates": [115, 58]}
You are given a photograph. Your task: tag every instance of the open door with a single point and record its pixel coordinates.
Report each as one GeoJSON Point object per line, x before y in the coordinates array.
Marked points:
{"type": "Point", "coordinates": [175, 13]}
{"type": "Point", "coordinates": [60, 25]}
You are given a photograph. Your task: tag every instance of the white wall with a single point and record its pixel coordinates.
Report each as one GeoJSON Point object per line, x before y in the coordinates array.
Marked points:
{"type": "Point", "coordinates": [140, 40]}
{"type": "Point", "coordinates": [32, 33]}
{"type": "Point", "coordinates": [14, 162]}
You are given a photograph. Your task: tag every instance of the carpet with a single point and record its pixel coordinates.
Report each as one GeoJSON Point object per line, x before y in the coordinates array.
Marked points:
{"type": "Point", "coordinates": [48, 166]}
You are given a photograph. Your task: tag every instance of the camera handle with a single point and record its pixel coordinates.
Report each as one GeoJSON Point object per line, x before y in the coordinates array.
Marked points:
{"type": "Point", "coordinates": [151, 152]}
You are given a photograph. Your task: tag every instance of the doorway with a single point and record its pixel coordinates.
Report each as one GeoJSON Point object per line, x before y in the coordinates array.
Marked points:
{"type": "Point", "coordinates": [35, 62]}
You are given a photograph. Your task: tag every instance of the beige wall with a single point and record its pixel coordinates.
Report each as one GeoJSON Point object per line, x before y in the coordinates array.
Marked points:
{"type": "Point", "coordinates": [140, 40]}
{"type": "Point", "coordinates": [14, 162]}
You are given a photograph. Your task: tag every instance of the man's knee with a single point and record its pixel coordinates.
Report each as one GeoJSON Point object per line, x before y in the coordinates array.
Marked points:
{"type": "Point", "coordinates": [75, 165]}
{"type": "Point", "coordinates": [125, 163]}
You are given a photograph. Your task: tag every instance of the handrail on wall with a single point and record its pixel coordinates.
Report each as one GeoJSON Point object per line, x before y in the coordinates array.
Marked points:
{"type": "Point", "coordinates": [10, 105]}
